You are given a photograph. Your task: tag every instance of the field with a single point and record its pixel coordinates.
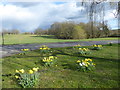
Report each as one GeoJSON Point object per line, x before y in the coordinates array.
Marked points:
{"type": "Point", "coordinates": [65, 74]}
{"type": "Point", "coordinates": [27, 39]}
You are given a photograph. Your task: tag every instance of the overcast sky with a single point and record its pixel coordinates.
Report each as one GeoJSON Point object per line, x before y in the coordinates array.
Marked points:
{"type": "Point", "coordinates": [27, 16]}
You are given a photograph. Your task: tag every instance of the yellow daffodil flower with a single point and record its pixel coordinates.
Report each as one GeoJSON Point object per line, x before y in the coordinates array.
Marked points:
{"type": "Point", "coordinates": [16, 71]}
{"type": "Point", "coordinates": [51, 57]}
{"type": "Point", "coordinates": [16, 76]}
{"type": "Point", "coordinates": [95, 45]}
{"type": "Point", "coordinates": [80, 48]}
{"type": "Point", "coordinates": [22, 71]}
{"type": "Point", "coordinates": [78, 61]}
{"type": "Point", "coordinates": [35, 69]}
{"type": "Point", "coordinates": [40, 48]}
{"type": "Point", "coordinates": [30, 71]}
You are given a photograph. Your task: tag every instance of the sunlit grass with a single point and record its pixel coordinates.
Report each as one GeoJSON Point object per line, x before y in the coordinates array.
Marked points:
{"type": "Point", "coordinates": [65, 74]}
{"type": "Point", "coordinates": [27, 39]}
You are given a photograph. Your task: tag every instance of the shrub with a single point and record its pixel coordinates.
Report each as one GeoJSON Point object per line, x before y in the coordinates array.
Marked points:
{"type": "Point", "coordinates": [78, 33]}
{"type": "Point", "coordinates": [67, 30]}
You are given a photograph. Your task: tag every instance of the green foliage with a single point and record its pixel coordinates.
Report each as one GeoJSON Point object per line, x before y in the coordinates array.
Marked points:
{"type": "Point", "coordinates": [85, 65]}
{"type": "Point", "coordinates": [49, 61]}
{"type": "Point", "coordinates": [78, 33]}
{"type": "Point", "coordinates": [27, 80]}
{"type": "Point", "coordinates": [97, 47]}
{"type": "Point", "coordinates": [65, 74]}
{"type": "Point", "coordinates": [83, 51]}
{"type": "Point", "coordinates": [67, 30]}
{"type": "Point", "coordinates": [44, 50]}
{"type": "Point", "coordinates": [38, 31]}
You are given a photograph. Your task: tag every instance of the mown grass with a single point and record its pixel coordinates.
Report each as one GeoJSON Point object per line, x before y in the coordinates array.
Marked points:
{"type": "Point", "coordinates": [65, 74]}
{"type": "Point", "coordinates": [27, 39]}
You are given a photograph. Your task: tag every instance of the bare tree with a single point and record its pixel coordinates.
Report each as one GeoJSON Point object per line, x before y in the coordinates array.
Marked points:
{"type": "Point", "coordinates": [96, 10]}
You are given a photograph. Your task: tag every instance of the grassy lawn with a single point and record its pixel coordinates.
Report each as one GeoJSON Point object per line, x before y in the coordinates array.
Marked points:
{"type": "Point", "coordinates": [25, 39]}
{"type": "Point", "coordinates": [65, 74]}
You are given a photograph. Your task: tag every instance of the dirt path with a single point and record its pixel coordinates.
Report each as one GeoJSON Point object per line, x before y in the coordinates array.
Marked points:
{"type": "Point", "coordinates": [8, 50]}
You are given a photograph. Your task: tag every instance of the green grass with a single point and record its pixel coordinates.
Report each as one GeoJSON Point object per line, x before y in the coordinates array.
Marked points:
{"type": "Point", "coordinates": [25, 39]}
{"type": "Point", "coordinates": [65, 75]}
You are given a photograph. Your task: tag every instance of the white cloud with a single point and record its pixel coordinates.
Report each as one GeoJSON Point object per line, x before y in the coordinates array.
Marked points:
{"type": "Point", "coordinates": [39, 15]}
{"type": "Point", "coordinates": [28, 17]}
{"type": "Point", "coordinates": [109, 14]}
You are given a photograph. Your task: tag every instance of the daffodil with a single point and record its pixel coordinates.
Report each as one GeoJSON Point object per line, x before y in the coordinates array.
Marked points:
{"type": "Point", "coordinates": [16, 71]}
{"type": "Point", "coordinates": [24, 49]}
{"type": "Point", "coordinates": [80, 48]}
{"type": "Point", "coordinates": [89, 59]}
{"type": "Point", "coordinates": [40, 48]}
{"type": "Point", "coordinates": [95, 45]}
{"type": "Point", "coordinates": [22, 71]}
{"type": "Point", "coordinates": [78, 61]}
{"type": "Point", "coordinates": [51, 57]}
{"type": "Point", "coordinates": [16, 76]}
{"type": "Point", "coordinates": [35, 69]}
{"type": "Point", "coordinates": [30, 71]}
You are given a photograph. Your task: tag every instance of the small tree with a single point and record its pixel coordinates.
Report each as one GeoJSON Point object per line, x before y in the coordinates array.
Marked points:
{"type": "Point", "coordinates": [38, 31]}
{"type": "Point", "coordinates": [78, 33]}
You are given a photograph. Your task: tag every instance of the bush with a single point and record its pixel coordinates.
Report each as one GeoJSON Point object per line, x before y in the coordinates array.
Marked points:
{"type": "Point", "coordinates": [67, 30]}
{"type": "Point", "coordinates": [78, 33]}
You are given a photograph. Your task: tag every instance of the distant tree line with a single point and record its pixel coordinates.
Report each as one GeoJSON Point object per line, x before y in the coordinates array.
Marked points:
{"type": "Point", "coordinates": [40, 31]}
{"type": "Point", "coordinates": [14, 31]}
{"type": "Point", "coordinates": [70, 30]}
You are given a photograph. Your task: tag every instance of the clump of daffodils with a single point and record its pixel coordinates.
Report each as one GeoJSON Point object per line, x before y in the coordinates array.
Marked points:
{"type": "Point", "coordinates": [77, 46]}
{"type": "Point", "coordinates": [27, 79]}
{"type": "Point", "coordinates": [48, 61]}
{"type": "Point", "coordinates": [23, 51]}
{"type": "Point", "coordinates": [44, 50]}
{"type": "Point", "coordinates": [85, 65]}
{"type": "Point", "coordinates": [44, 47]}
{"type": "Point", "coordinates": [97, 47]}
{"type": "Point", "coordinates": [83, 51]}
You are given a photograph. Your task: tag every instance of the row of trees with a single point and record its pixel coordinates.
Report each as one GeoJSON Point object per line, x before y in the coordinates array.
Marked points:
{"type": "Point", "coordinates": [70, 30]}
{"type": "Point", "coordinates": [37, 32]}
{"type": "Point", "coordinates": [15, 31]}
